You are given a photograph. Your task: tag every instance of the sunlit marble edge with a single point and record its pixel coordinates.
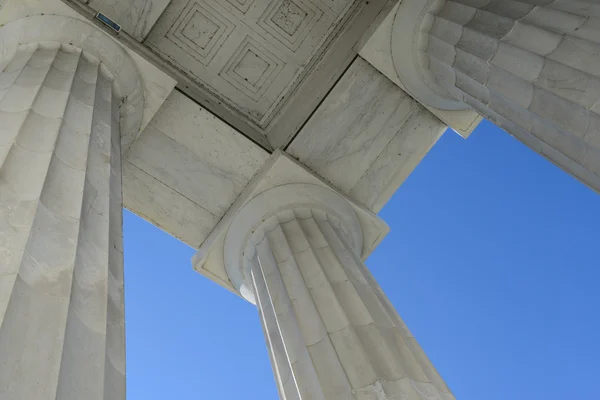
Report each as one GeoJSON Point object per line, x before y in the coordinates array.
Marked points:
{"type": "Point", "coordinates": [280, 169]}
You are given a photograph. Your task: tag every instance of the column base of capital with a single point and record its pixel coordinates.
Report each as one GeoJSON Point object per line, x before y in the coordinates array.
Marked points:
{"type": "Point", "coordinates": [290, 185]}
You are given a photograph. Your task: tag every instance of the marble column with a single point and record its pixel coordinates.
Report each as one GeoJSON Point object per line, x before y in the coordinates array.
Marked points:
{"type": "Point", "coordinates": [530, 66]}
{"type": "Point", "coordinates": [330, 330]}
{"type": "Point", "coordinates": [61, 258]}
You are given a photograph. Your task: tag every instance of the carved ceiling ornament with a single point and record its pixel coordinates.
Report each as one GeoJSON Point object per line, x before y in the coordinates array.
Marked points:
{"type": "Point", "coordinates": [250, 54]}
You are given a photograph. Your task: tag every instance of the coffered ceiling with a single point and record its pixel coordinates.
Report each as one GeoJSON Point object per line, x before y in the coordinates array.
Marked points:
{"type": "Point", "coordinates": [263, 66]}
{"type": "Point", "coordinates": [250, 54]}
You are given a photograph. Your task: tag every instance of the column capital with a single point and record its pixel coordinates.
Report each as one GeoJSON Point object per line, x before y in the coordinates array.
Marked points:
{"type": "Point", "coordinates": [276, 205]}
{"type": "Point", "coordinates": [410, 34]}
{"type": "Point", "coordinates": [66, 31]}
{"type": "Point", "coordinates": [282, 185]}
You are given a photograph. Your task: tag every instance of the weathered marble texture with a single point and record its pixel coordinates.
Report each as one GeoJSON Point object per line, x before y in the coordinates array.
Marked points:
{"type": "Point", "coordinates": [62, 330]}
{"type": "Point", "coordinates": [60, 29]}
{"type": "Point", "coordinates": [367, 136]}
{"type": "Point", "coordinates": [249, 56]}
{"type": "Point", "coordinates": [53, 20]}
{"type": "Point", "coordinates": [136, 17]}
{"type": "Point", "coordinates": [151, 199]}
{"type": "Point", "coordinates": [531, 67]}
{"type": "Point", "coordinates": [186, 169]}
{"type": "Point", "coordinates": [331, 332]}
{"type": "Point", "coordinates": [280, 182]}
{"type": "Point", "coordinates": [377, 50]}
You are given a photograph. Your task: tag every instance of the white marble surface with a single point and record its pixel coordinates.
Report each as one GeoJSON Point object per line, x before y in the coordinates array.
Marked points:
{"type": "Point", "coordinates": [358, 119]}
{"type": "Point", "coordinates": [330, 330]}
{"type": "Point", "coordinates": [183, 171]}
{"type": "Point", "coordinates": [186, 169]}
{"type": "Point", "coordinates": [136, 17]}
{"type": "Point", "coordinates": [367, 136]}
{"type": "Point", "coordinates": [209, 138]}
{"type": "Point", "coordinates": [156, 84]}
{"type": "Point", "coordinates": [377, 51]}
{"type": "Point", "coordinates": [157, 87]}
{"type": "Point", "coordinates": [249, 55]}
{"type": "Point", "coordinates": [280, 169]}
{"type": "Point", "coordinates": [162, 206]}
{"type": "Point", "coordinates": [62, 332]}
{"type": "Point", "coordinates": [535, 73]}
{"type": "Point", "coordinates": [289, 196]}
{"type": "Point", "coordinates": [399, 158]}
{"type": "Point", "coordinates": [61, 29]}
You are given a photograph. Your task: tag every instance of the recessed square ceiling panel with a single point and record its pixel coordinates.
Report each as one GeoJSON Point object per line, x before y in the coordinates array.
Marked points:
{"type": "Point", "coordinates": [250, 54]}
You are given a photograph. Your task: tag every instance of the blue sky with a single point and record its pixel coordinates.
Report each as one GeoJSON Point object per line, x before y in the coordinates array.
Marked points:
{"type": "Point", "coordinates": [492, 262]}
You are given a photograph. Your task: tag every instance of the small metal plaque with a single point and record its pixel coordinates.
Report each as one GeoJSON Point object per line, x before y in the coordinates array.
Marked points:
{"type": "Point", "coordinates": [108, 22]}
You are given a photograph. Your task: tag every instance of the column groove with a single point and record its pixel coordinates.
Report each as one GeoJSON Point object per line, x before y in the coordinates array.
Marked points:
{"type": "Point", "coordinates": [24, 168]}
{"type": "Point", "coordinates": [324, 318]}
{"type": "Point", "coordinates": [531, 67]}
{"type": "Point", "coordinates": [61, 303]}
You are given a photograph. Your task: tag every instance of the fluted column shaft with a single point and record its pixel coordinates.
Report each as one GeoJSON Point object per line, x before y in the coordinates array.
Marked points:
{"type": "Point", "coordinates": [61, 261]}
{"type": "Point", "coordinates": [331, 332]}
{"type": "Point", "coordinates": [530, 66]}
